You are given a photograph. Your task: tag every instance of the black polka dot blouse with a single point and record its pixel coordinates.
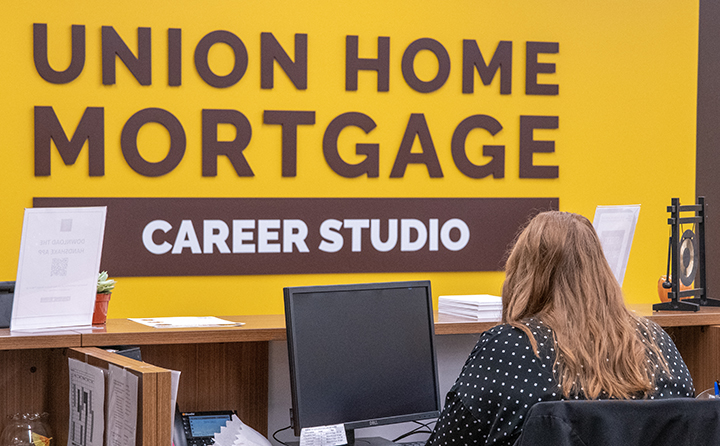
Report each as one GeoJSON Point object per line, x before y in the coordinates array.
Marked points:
{"type": "Point", "coordinates": [502, 378]}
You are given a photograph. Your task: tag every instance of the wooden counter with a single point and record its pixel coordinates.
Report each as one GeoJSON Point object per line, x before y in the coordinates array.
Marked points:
{"type": "Point", "coordinates": [31, 340]}
{"type": "Point", "coordinates": [228, 367]}
{"type": "Point", "coordinates": [696, 335]}
{"type": "Point", "coordinates": [123, 331]}
{"type": "Point", "coordinates": [262, 328]}
{"type": "Point", "coordinates": [705, 316]}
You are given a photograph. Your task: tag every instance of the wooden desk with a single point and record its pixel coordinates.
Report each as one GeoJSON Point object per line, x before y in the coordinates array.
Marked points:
{"type": "Point", "coordinates": [706, 316]}
{"type": "Point", "coordinates": [228, 367]}
{"type": "Point", "coordinates": [696, 334]}
{"type": "Point", "coordinates": [28, 340]}
{"type": "Point", "coordinates": [257, 328]}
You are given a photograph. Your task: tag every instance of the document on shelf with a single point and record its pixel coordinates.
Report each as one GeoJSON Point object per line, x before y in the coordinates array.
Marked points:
{"type": "Point", "coordinates": [87, 402]}
{"type": "Point", "coordinates": [174, 385]}
{"type": "Point", "coordinates": [58, 266]}
{"type": "Point", "coordinates": [186, 322]}
{"type": "Point", "coordinates": [122, 407]}
{"type": "Point", "coordinates": [615, 226]}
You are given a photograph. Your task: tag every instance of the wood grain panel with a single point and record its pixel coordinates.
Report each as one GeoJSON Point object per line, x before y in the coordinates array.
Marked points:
{"type": "Point", "coordinates": [23, 382]}
{"type": "Point", "coordinates": [58, 390]}
{"type": "Point", "coordinates": [219, 376]}
{"type": "Point", "coordinates": [123, 331]}
{"type": "Point", "coordinates": [154, 411]}
{"type": "Point", "coordinates": [698, 347]}
{"type": "Point", "coordinates": [32, 340]}
{"type": "Point", "coordinates": [32, 381]}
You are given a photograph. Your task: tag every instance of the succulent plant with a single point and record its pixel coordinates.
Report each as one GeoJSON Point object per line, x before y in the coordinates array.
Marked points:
{"type": "Point", "coordinates": [105, 285]}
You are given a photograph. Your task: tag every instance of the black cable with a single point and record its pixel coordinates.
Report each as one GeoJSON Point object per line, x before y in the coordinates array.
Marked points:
{"type": "Point", "coordinates": [277, 432]}
{"type": "Point", "coordinates": [407, 434]}
{"type": "Point", "coordinates": [417, 430]}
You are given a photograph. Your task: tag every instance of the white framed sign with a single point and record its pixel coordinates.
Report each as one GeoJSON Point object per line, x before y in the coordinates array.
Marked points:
{"type": "Point", "coordinates": [58, 267]}
{"type": "Point", "coordinates": [615, 226]}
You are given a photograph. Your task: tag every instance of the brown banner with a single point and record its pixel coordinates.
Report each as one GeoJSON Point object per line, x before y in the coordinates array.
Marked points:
{"type": "Point", "coordinates": [248, 236]}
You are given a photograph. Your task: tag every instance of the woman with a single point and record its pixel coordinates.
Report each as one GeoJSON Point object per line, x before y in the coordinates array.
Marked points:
{"type": "Point", "coordinates": [566, 334]}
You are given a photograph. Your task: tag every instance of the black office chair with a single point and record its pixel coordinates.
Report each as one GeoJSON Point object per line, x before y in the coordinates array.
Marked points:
{"type": "Point", "coordinates": [671, 422]}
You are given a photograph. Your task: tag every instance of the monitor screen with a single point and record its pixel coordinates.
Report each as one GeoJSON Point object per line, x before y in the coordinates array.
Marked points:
{"type": "Point", "coordinates": [203, 425]}
{"type": "Point", "coordinates": [362, 354]}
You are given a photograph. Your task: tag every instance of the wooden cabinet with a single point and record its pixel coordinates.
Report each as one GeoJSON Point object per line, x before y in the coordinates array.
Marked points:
{"type": "Point", "coordinates": [220, 368]}
{"type": "Point", "coordinates": [36, 380]}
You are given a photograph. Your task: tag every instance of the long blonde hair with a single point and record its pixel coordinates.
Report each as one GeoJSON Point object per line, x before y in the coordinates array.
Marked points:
{"type": "Point", "coordinates": [557, 273]}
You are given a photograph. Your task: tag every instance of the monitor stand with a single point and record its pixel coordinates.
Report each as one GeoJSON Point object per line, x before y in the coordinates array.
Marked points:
{"type": "Point", "coordinates": [365, 441]}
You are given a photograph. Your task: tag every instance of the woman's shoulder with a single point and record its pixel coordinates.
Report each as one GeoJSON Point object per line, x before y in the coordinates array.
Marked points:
{"type": "Point", "coordinates": [502, 331]}
{"type": "Point", "coordinates": [651, 330]}
{"type": "Point", "coordinates": [535, 325]}
{"type": "Point", "coordinates": [518, 335]}
{"type": "Point", "coordinates": [505, 365]}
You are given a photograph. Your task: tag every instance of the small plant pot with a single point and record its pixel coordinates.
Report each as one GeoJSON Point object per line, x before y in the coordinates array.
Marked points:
{"type": "Point", "coordinates": [102, 300]}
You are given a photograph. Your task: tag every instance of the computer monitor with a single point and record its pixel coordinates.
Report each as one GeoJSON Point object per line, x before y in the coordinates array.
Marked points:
{"type": "Point", "coordinates": [7, 290]}
{"type": "Point", "coordinates": [361, 355]}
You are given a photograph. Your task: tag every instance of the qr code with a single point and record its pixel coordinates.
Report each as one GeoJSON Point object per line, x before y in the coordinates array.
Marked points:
{"type": "Point", "coordinates": [59, 267]}
{"type": "Point", "coordinates": [66, 225]}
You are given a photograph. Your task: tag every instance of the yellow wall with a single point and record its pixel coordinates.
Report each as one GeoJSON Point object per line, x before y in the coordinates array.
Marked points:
{"type": "Point", "coordinates": [626, 106]}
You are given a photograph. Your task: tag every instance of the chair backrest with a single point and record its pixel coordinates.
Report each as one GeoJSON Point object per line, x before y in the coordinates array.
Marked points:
{"type": "Point", "coordinates": [678, 421]}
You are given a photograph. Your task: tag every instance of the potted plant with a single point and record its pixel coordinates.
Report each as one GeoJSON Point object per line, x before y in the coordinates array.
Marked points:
{"type": "Point", "coordinates": [102, 298]}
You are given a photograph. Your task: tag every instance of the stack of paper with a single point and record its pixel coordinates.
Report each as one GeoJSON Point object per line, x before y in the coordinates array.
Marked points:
{"type": "Point", "coordinates": [476, 307]}
{"type": "Point", "coordinates": [237, 433]}
{"type": "Point", "coordinates": [185, 322]}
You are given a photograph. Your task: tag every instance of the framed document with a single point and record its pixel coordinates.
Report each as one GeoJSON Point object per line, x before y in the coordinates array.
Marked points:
{"type": "Point", "coordinates": [58, 267]}
{"type": "Point", "coordinates": [615, 226]}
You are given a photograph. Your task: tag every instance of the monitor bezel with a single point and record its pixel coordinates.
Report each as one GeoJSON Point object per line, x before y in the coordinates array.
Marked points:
{"type": "Point", "coordinates": [7, 287]}
{"type": "Point", "coordinates": [296, 416]}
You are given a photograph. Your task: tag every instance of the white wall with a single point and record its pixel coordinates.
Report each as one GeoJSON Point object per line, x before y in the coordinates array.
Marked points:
{"type": "Point", "coordinates": [452, 351]}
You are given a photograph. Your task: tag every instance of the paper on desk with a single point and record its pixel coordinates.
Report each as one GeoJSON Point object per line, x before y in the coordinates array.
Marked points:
{"type": "Point", "coordinates": [87, 401]}
{"type": "Point", "coordinates": [237, 433]}
{"type": "Point", "coordinates": [58, 265]}
{"type": "Point", "coordinates": [615, 226]}
{"type": "Point", "coordinates": [122, 407]}
{"type": "Point", "coordinates": [185, 322]}
{"type": "Point", "coordinates": [476, 307]}
{"type": "Point", "coordinates": [174, 385]}
{"type": "Point", "coordinates": [323, 436]}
